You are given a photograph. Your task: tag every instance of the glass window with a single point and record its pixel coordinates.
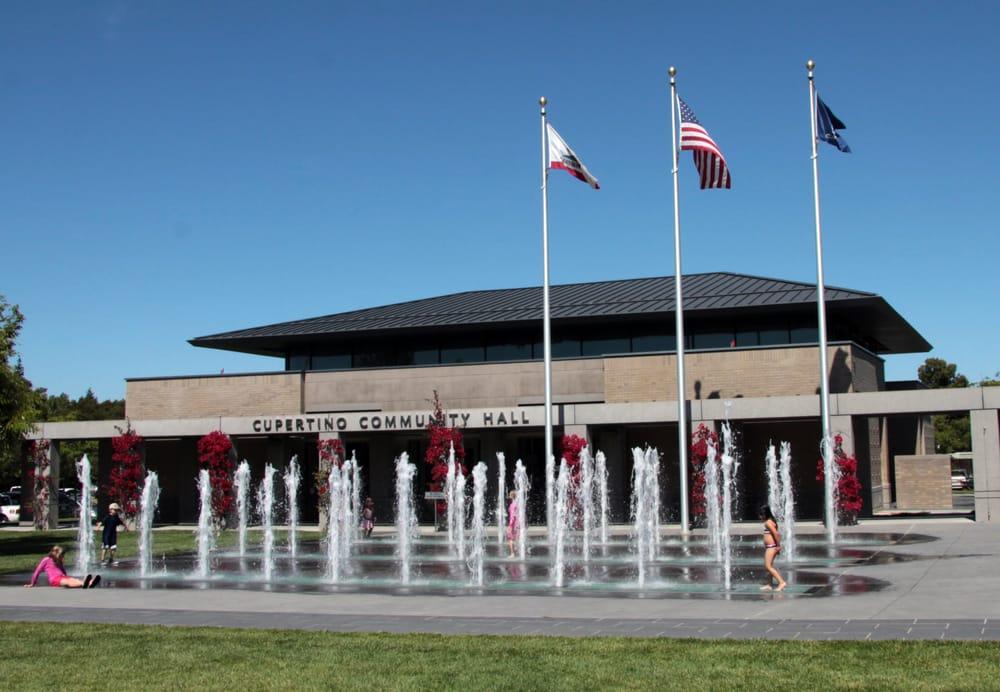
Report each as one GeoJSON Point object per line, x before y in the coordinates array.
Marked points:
{"type": "Point", "coordinates": [508, 351]}
{"type": "Point", "coordinates": [462, 354]}
{"type": "Point", "coordinates": [299, 361]}
{"type": "Point", "coordinates": [331, 361]}
{"type": "Point", "coordinates": [773, 336]}
{"type": "Point", "coordinates": [373, 357]}
{"type": "Point", "coordinates": [566, 348]}
{"type": "Point", "coordinates": [600, 347]}
{"type": "Point", "coordinates": [804, 335]}
{"type": "Point", "coordinates": [654, 342]}
{"type": "Point", "coordinates": [425, 356]}
{"type": "Point", "coordinates": [747, 337]}
{"type": "Point", "coordinates": [713, 339]}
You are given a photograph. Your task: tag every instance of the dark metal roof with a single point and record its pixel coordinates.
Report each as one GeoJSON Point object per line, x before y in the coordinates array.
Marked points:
{"type": "Point", "coordinates": [714, 293]}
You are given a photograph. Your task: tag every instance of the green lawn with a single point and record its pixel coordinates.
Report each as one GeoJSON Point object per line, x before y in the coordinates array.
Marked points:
{"type": "Point", "coordinates": [138, 657]}
{"type": "Point", "coordinates": [20, 551]}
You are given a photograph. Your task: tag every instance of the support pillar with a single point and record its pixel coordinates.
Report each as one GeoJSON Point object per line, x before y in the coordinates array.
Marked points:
{"type": "Point", "coordinates": [985, 433]}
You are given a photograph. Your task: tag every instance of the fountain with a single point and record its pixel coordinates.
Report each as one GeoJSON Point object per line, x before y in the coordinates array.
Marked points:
{"type": "Point", "coordinates": [602, 493]}
{"type": "Point", "coordinates": [787, 502]}
{"type": "Point", "coordinates": [830, 473]}
{"type": "Point", "coordinates": [265, 506]}
{"type": "Point", "coordinates": [460, 513]}
{"type": "Point", "coordinates": [241, 483]}
{"type": "Point", "coordinates": [642, 511]}
{"type": "Point", "coordinates": [147, 512]}
{"type": "Point", "coordinates": [406, 521]}
{"type": "Point", "coordinates": [713, 510]}
{"type": "Point", "coordinates": [550, 487]}
{"type": "Point", "coordinates": [334, 542]}
{"type": "Point", "coordinates": [449, 493]}
{"type": "Point", "coordinates": [292, 479]}
{"type": "Point", "coordinates": [478, 523]}
{"type": "Point", "coordinates": [355, 514]}
{"type": "Point", "coordinates": [501, 513]}
{"type": "Point", "coordinates": [521, 488]}
{"type": "Point", "coordinates": [85, 531]}
{"type": "Point", "coordinates": [408, 561]}
{"type": "Point", "coordinates": [586, 498]}
{"type": "Point", "coordinates": [206, 532]}
{"type": "Point", "coordinates": [561, 523]}
{"type": "Point", "coordinates": [730, 466]}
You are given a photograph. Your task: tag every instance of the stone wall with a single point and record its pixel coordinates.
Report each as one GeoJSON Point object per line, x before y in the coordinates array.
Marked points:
{"type": "Point", "coordinates": [923, 481]}
{"type": "Point", "coordinates": [202, 397]}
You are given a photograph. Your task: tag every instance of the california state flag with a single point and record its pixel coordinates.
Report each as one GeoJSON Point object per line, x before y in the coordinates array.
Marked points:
{"type": "Point", "coordinates": [561, 156]}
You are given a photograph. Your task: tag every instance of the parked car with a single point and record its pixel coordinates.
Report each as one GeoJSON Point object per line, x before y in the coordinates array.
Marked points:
{"type": "Point", "coordinates": [10, 511]}
{"type": "Point", "coordinates": [960, 480]}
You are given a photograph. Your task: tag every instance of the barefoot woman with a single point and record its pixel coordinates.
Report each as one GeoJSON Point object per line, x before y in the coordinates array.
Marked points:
{"type": "Point", "coordinates": [772, 546]}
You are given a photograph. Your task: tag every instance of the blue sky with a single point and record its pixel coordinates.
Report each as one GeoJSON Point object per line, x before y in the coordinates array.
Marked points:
{"type": "Point", "coordinates": [174, 169]}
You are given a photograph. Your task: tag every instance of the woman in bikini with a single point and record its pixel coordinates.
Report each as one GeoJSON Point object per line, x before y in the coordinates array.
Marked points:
{"type": "Point", "coordinates": [772, 546]}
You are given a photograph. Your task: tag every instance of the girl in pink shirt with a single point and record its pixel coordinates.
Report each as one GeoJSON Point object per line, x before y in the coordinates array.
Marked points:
{"type": "Point", "coordinates": [513, 525]}
{"type": "Point", "coordinates": [52, 564]}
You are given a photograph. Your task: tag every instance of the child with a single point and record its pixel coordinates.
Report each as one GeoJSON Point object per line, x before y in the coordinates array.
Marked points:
{"type": "Point", "coordinates": [368, 517]}
{"type": "Point", "coordinates": [52, 564]}
{"type": "Point", "coordinates": [109, 540]}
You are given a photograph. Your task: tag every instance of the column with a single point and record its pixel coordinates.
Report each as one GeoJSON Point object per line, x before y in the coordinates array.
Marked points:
{"type": "Point", "coordinates": [986, 463]}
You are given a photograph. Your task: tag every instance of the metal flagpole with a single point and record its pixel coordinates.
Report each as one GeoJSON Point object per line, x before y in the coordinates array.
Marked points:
{"type": "Point", "coordinates": [682, 454]}
{"type": "Point", "coordinates": [824, 404]}
{"type": "Point", "coordinates": [546, 325]}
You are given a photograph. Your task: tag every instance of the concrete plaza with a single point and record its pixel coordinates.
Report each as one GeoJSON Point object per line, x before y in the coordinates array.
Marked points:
{"type": "Point", "coordinates": [946, 588]}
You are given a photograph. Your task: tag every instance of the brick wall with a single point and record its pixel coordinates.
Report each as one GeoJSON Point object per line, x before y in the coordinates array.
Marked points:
{"type": "Point", "coordinates": [459, 386]}
{"type": "Point", "coordinates": [727, 374]}
{"type": "Point", "coordinates": [923, 481]}
{"type": "Point", "coordinates": [202, 397]}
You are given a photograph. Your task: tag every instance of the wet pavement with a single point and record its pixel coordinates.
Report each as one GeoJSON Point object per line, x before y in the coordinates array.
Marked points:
{"type": "Point", "coordinates": [905, 579]}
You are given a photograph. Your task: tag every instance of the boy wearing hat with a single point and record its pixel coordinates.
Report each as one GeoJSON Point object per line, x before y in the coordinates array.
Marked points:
{"type": "Point", "coordinates": [109, 541]}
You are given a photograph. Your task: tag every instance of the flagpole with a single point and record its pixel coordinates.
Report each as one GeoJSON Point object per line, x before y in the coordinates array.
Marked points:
{"type": "Point", "coordinates": [824, 404]}
{"type": "Point", "coordinates": [546, 322]}
{"type": "Point", "coordinates": [682, 454]}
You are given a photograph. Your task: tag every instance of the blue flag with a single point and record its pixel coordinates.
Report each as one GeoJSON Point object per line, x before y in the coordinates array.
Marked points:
{"type": "Point", "coordinates": [827, 125]}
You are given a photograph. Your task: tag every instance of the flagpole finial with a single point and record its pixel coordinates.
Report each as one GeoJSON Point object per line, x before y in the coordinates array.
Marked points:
{"type": "Point", "coordinates": [672, 71]}
{"type": "Point", "coordinates": [542, 102]}
{"type": "Point", "coordinates": [810, 65]}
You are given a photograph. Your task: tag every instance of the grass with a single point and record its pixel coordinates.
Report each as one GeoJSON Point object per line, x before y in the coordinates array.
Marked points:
{"type": "Point", "coordinates": [20, 551]}
{"type": "Point", "coordinates": [146, 657]}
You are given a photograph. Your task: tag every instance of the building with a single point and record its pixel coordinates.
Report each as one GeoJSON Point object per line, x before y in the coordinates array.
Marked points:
{"type": "Point", "coordinates": [368, 377]}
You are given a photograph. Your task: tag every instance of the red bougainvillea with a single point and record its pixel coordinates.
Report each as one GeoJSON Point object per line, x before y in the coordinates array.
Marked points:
{"type": "Point", "coordinates": [700, 440]}
{"type": "Point", "coordinates": [214, 454]}
{"type": "Point", "coordinates": [572, 445]}
{"type": "Point", "coordinates": [440, 440]}
{"type": "Point", "coordinates": [126, 478]}
{"type": "Point", "coordinates": [848, 485]}
{"type": "Point", "coordinates": [41, 482]}
{"type": "Point", "coordinates": [331, 453]}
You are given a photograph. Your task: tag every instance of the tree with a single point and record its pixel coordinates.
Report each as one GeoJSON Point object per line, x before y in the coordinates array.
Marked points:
{"type": "Point", "coordinates": [937, 373]}
{"type": "Point", "coordinates": [990, 381]}
{"type": "Point", "coordinates": [62, 408]}
{"type": "Point", "coordinates": [951, 432]}
{"type": "Point", "coordinates": [18, 406]}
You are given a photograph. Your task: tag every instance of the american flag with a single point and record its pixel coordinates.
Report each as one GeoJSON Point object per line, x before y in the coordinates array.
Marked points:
{"type": "Point", "coordinates": [709, 161]}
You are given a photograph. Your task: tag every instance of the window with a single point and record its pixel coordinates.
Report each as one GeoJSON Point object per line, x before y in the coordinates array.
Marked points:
{"type": "Point", "coordinates": [331, 361]}
{"type": "Point", "coordinates": [462, 354]}
{"type": "Point", "coordinates": [770, 337]}
{"type": "Point", "coordinates": [508, 351]}
{"type": "Point", "coordinates": [600, 347]}
{"type": "Point", "coordinates": [566, 348]}
{"type": "Point", "coordinates": [804, 335]}
{"type": "Point", "coordinates": [298, 361]}
{"type": "Point", "coordinates": [747, 337]}
{"type": "Point", "coordinates": [645, 343]}
{"type": "Point", "coordinates": [715, 339]}
{"type": "Point", "coordinates": [425, 356]}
